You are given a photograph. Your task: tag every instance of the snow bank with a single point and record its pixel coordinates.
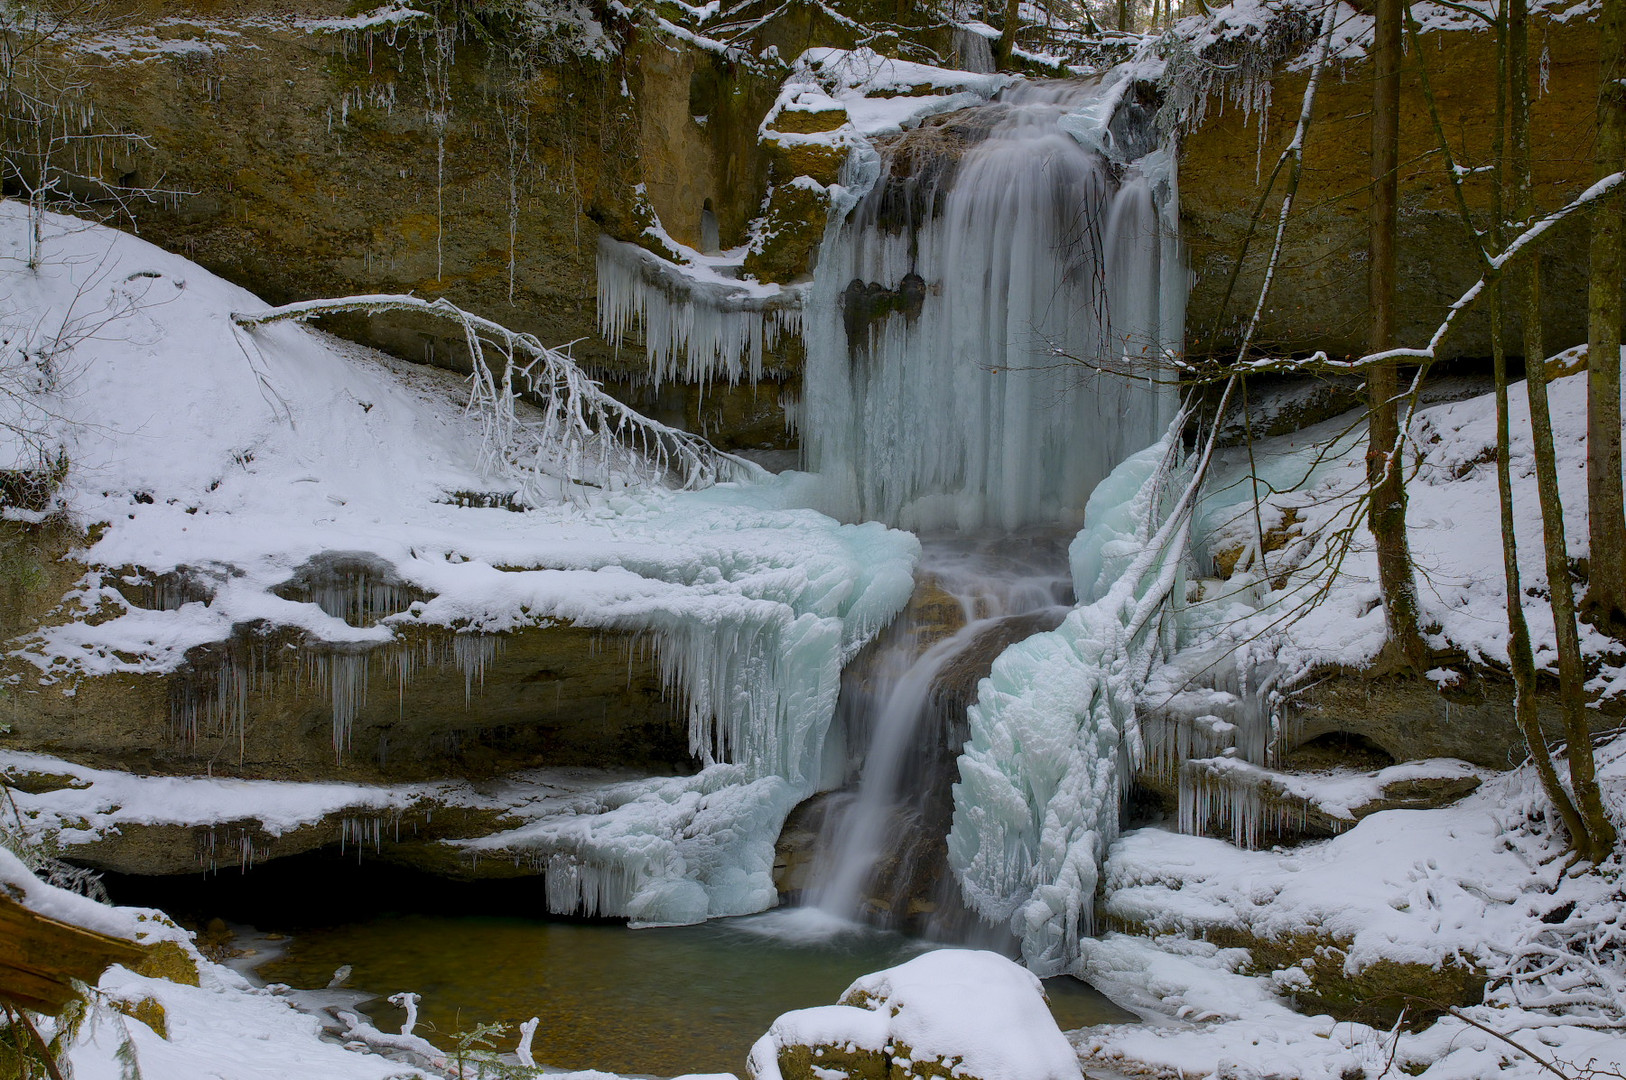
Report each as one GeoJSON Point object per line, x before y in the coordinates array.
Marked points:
{"type": "Point", "coordinates": [1482, 883]}
{"type": "Point", "coordinates": [973, 1013]}
{"type": "Point", "coordinates": [235, 458]}
{"type": "Point", "coordinates": [20, 884]}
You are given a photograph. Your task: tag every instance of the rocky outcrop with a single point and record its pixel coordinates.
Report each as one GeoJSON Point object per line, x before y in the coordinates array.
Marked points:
{"type": "Point", "coordinates": [266, 704]}
{"type": "Point", "coordinates": [310, 160]}
{"type": "Point", "coordinates": [1319, 294]}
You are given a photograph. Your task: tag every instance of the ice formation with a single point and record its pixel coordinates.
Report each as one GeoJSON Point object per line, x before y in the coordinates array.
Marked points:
{"type": "Point", "coordinates": [1053, 730]}
{"type": "Point", "coordinates": [698, 324]}
{"type": "Point", "coordinates": [986, 310]}
{"type": "Point", "coordinates": [229, 484]}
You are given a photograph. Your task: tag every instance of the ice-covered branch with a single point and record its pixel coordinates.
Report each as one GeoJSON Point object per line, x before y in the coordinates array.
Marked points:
{"type": "Point", "coordinates": [579, 434]}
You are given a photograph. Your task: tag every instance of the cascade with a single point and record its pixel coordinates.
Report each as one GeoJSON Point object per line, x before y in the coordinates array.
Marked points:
{"type": "Point", "coordinates": [976, 318]}
{"type": "Point", "coordinates": [903, 714]}
{"type": "Point", "coordinates": [978, 331]}
{"type": "Point", "coordinates": [992, 297]}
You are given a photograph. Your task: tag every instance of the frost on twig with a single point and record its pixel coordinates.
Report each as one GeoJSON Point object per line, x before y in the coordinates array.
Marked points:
{"type": "Point", "coordinates": [577, 435]}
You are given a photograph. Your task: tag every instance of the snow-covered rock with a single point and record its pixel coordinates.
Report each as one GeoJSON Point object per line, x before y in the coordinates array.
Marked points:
{"type": "Point", "coordinates": [966, 1014]}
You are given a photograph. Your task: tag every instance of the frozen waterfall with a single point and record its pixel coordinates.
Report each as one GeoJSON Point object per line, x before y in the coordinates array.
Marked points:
{"type": "Point", "coordinates": [992, 252]}
{"type": "Point", "coordinates": [1053, 730]}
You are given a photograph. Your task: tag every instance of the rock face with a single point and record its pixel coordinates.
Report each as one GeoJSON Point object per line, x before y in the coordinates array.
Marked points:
{"type": "Point", "coordinates": [458, 160]}
{"type": "Point", "coordinates": [263, 704]}
{"type": "Point", "coordinates": [1319, 296]}
{"type": "Point", "coordinates": [1411, 718]}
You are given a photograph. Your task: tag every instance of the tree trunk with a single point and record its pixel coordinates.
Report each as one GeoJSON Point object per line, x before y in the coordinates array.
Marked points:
{"type": "Point", "coordinates": [1007, 36]}
{"type": "Point", "coordinates": [1606, 596]}
{"type": "Point", "coordinates": [1599, 836]}
{"type": "Point", "coordinates": [1515, 63]}
{"type": "Point", "coordinates": [1387, 516]}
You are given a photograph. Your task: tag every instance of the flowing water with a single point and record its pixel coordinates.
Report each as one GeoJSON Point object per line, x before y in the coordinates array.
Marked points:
{"type": "Point", "coordinates": [962, 315]}
{"type": "Point", "coordinates": [880, 853]}
{"type": "Point", "coordinates": [654, 1002]}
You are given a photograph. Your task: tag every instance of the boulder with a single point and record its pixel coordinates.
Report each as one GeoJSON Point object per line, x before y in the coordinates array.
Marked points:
{"type": "Point", "coordinates": [966, 1014]}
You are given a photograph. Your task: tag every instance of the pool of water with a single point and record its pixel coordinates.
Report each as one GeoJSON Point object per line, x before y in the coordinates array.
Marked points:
{"type": "Point", "coordinates": [658, 1002]}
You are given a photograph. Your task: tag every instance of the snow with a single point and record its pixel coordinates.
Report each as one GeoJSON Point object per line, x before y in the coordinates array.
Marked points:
{"type": "Point", "coordinates": [1453, 525]}
{"type": "Point", "coordinates": [224, 1028]}
{"type": "Point", "coordinates": [881, 95]}
{"type": "Point", "coordinates": [975, 1009]}
{"type": "Point", "coordinates": [1482, 882]}
{"type": "Point", "coordinates": [237, 457]}
{"type": "Point", "coordinates": [20, 884]}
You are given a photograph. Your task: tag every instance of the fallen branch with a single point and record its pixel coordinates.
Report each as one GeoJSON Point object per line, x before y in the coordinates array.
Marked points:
{"type": "Point", "coordinates": [582, 435]}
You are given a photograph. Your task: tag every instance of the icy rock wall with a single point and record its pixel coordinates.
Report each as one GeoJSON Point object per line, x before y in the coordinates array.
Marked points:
{"type": "Point", "coordinates": [1053, 731]}
{"type": "Point", "coordinates": [962, 314]}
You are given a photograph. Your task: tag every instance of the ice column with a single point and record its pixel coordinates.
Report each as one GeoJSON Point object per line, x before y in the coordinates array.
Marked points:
{"type": "Point", "coordinates": [1053, 731]}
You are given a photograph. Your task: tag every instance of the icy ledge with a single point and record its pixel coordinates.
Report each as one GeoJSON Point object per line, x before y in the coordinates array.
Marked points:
{"type": "Point", "coordinates": [238, 458]}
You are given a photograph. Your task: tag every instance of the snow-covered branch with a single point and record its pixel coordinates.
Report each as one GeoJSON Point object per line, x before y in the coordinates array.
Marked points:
{"type": "Point", "coordinates": [1495, 267]}
{"type": "Point", "coordinates": [579, 434]}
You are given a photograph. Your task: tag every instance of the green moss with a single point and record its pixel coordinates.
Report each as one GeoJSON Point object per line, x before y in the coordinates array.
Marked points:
{"type": "Point", "coordinates": [792, 227]}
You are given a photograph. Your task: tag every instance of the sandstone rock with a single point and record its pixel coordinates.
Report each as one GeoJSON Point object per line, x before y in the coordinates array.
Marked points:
{"type": "Point", "coordinates": [1319, 292]}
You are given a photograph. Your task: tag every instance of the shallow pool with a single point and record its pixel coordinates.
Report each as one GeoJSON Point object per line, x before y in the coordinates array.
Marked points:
{"type": "Point", "coordinates": [657, 1001]}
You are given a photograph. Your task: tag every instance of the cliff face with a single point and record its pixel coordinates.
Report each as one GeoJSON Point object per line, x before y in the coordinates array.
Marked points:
{"type": "Point", "coordinates": [1319, 297]}
{"type": "Point", "coordinates": [315, 157]}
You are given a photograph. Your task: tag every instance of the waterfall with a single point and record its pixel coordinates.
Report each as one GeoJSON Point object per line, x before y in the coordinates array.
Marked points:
{"type": "Point", "coordinates": [994, 297]}
{"type": "Point", "coordinates": [903, 715]}
{"type": "Point", "coordinates": [994, 249]}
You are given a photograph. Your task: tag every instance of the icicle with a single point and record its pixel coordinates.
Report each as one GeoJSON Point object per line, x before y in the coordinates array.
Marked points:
{"type": "Point", "coordinates": [694, 330]}
{"type": "Point", "coordinates": [472, 653]}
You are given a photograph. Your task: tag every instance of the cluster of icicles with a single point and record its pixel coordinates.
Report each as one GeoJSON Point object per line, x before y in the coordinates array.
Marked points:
{"type": "Point", "coordinates": [218, 704]}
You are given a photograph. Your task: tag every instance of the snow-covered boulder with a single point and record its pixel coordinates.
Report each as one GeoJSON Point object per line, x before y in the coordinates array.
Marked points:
{"type": "Point", "coordinates": [959, 1013]}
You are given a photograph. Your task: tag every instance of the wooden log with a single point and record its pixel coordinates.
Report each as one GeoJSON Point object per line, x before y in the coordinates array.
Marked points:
{"type": "Point", "coordinates": [41, 957]}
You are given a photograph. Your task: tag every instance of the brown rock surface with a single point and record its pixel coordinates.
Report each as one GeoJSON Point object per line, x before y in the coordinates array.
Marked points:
{"type": "Point", "coordinates": [1318, 300]}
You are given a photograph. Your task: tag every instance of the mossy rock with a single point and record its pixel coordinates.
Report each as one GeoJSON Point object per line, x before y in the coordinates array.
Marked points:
{"type": "Point", "coordinates": [811, 121]}
{"type": "Point", "coordinates": [819, 161]}
{"type": "Point", "coordinates": [792, 228]}
{"type": "Point", "coordinates": [1379, 994]}
{"type": "Point", "coordinates": [168, 960]}
{"type": "Point", "coordinates": [149, 1011]}
{"type": "Point", "coordinates": [896, 1061]}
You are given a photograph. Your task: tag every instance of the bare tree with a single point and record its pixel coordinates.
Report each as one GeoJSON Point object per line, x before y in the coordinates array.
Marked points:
{"type": "Point", "coordinates": [1606, 595]}
{"type": "Point", "coordinates": [1387, 513]}
{"type": "Point", "coordinates": [52, 153]}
